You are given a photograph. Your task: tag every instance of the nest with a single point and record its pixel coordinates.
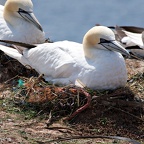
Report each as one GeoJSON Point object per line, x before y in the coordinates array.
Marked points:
{"type": "Point", "coordinates": [10, 68]}
{"type": "Point", "coordinates": [122, 108]}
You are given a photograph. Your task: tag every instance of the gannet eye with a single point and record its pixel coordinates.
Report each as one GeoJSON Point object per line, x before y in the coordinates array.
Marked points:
{"type": "Point", "coordinates": [104, 41]}
{"type": "Point", "coordinates": [23, 11]}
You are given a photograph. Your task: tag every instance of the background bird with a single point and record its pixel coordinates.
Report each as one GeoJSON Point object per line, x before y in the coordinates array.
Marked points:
{"type": "Point", "coordinates": [132, 38]}
{"type": "Point", "coordinates": [18, 22]}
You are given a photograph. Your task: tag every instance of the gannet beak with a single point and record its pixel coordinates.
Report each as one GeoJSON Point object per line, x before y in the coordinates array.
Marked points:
{"type": "Point", "coordinates": [30, 17]}
{"type": "Point", "coordinates": [114, 46]}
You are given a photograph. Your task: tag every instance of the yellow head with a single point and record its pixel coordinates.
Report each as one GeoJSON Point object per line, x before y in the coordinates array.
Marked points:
{"type": "Point", "coordinates": [13, 6]}
{"type": "Point", "coordinates": [16, 10]}
{"type": "Point", "coordinates": [100, 37]}
{"type": "Point", "coordinates": [92, 37]}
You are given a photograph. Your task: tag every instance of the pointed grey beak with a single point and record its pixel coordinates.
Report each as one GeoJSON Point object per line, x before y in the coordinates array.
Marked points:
{"type": "Point", "coordinates": [30, 17]}
{"type": "Point", "coordinates": [114, 46]}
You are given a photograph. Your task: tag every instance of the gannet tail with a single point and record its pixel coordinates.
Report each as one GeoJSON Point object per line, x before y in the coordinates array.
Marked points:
{"type": "Point", "coordinates": [14, 54]}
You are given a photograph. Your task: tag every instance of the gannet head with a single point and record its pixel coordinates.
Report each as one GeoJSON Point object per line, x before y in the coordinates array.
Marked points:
{"type": "Point", "coordinates": [20, 9]}
{"type": "Point", "coordinates": [101, 37]}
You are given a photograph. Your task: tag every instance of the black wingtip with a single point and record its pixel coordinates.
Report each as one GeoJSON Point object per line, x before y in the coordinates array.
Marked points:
{"type": "Point", "coordinates": [18, 43]}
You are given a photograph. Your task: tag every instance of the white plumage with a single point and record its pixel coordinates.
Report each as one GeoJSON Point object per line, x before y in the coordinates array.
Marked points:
{"type": "Point", "coordinates": [96, 63]}
{"type": "Point", "coordinates": [18, 23]}
{"type": "Point", "coordinates": [132, 39]}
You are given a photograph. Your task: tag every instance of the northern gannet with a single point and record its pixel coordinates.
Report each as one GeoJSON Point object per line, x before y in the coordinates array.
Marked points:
{"type": "Point", "coordinates": [97, 63]}
{"type": "Point", "coordinates": [18, 23]}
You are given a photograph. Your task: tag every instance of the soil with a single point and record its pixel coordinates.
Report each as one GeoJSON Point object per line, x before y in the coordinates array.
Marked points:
{"type": "Point", "coordinates": [34, 112]}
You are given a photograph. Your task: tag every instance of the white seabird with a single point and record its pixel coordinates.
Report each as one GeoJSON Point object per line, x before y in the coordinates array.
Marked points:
{"type": "Point", "coordinates": [132, 38]}
{"type": "Point", "coordinates": [18, 23]}
{"type": "Point", "coordinates": [97, 63]}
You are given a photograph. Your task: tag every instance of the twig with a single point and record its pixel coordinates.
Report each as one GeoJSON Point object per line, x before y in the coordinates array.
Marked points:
{"type": "Point", "coordinates": [128, 113]}
{"type": "Point", "coordinates": [81, 108]}
{"type": "Point", "coordinates": [91, 137]}
{"type": "Point", "coordinates": [11, 79]}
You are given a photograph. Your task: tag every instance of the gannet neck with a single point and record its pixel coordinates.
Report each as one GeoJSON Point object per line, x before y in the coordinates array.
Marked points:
{"type": "Point", "coordinates": [89, 41]}
{"type": "Point", "coordinates": [11, 9]}
{"type": "Point", "coordinates": [10, 18]}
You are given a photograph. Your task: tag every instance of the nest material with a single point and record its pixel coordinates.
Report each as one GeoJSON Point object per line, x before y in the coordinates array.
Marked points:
{"type": "Point", "coordinates": [45, 97]}
{"type": "Point", "coordinates": [63, 101]}
{"type": "Point", "coordinates": [10, 68]}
